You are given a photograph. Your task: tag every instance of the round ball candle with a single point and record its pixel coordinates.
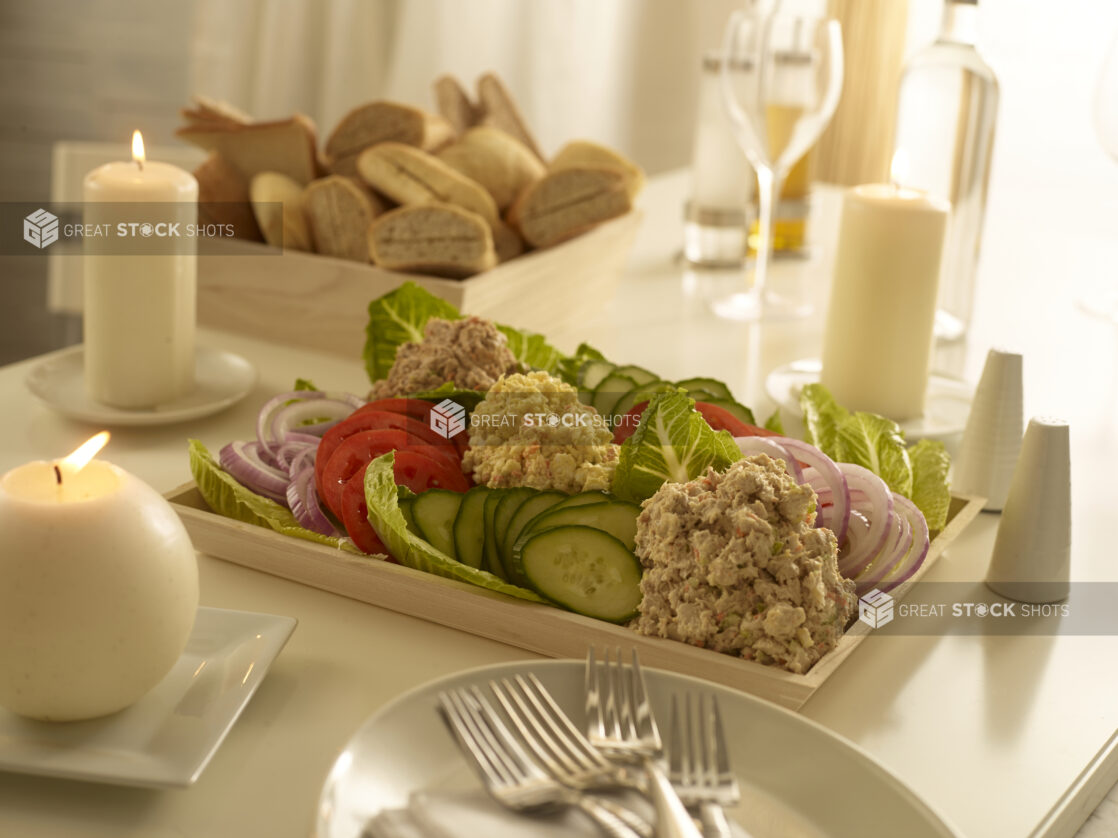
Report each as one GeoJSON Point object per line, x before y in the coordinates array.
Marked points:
{"type": "Point", "coordinates": [98, 588]}
{"type": "Point", "coordinates": [140, 287]}
{"type": "Point", "coordinates": [877, 343]}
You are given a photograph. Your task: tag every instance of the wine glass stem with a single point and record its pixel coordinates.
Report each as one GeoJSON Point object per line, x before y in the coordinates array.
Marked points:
{"type": "Point", "coordinates": [768, 187]}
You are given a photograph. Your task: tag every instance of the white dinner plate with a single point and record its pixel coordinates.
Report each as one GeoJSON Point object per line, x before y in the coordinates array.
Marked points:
{"type": "Point", "coordinates": [221, 379]}
{"type": "Point", "coordinates": [167, 738]}
{"type": "Point", "coordinates": [947, 403]}
{"type": "Point", "coordinates": [798, 779]}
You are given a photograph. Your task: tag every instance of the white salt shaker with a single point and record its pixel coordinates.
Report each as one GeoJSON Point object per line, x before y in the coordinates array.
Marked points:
{"type": "Point", "coordinates": [1032, 552]}
{"type": "Point", "coordinates": [992, 439]}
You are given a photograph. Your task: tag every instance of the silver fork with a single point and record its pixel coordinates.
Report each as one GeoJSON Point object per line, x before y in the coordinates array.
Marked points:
{"type": "Point", "coordinates": [508, 773]}
{"type": "Point", "coordinates": [562, 749]}
{"type": "Point", "coordinates": [699, 762]}
{"type": "Point", "coordinates": [620, 723]}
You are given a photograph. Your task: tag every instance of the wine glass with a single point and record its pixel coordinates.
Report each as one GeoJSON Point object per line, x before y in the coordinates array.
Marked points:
{"type": "Point", "coordinates": [781, 77]}
{"type": "Point", "coordinates": [1104, 304]}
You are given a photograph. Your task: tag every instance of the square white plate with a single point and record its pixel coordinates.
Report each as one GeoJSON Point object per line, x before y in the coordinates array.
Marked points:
{"type": "Point", "coordinates": [167, 738]}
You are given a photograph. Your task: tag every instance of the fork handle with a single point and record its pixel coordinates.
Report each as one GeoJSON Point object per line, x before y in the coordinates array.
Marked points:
{"type": "Point", "coordinates": [612, 822]}
{"type": "Point", "coordinates": [672, 819]}
{"type": "Point", "coordinates": [713, 818]}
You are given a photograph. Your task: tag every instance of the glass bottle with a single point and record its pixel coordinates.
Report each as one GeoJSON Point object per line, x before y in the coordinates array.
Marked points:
{"type": "Point", "coordinates": [947, 108]}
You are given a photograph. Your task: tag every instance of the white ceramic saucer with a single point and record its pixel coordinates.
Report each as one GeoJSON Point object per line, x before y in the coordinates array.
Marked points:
{"type": "Point", "coordinates": [167, 738]}
{"type": "Point", "coordinates": [947, 404]}
{"type": "Point", "coordinates": [221, 379]}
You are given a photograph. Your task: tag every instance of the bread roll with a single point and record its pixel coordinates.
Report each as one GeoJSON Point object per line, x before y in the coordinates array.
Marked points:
{"type": "Point", "coordinates": [410, 176]}
{"type": "Point", "coordinates": [566, 203]}
{"type": "Point", "coordinates": [277, 201]}
{"type": "Point", "coordinates": [286, 146]}
{"type": "Point", "coordinates": [438, 239]}
{"type": "Point", "coordinates": [223, 198]}
{"type": "Point", "coordinates": [500, 163]}
{"type": "Point", "coordinates": [379, 122]}
{"type": "Point", "coordinates": [454, 104]}
{"type": "Point", "coordinates": [587, 154]}
{"type": "Point", "coordinates": [339, 212]}
{"type": "Point", "coordinates": [500, 111]}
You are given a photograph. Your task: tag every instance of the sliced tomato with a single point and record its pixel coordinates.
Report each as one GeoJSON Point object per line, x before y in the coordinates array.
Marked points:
{"type": "Point", "coordinates": [717, 417]}
{"type": "Point", "coordinates": [420, 473]}
{"type": "Point", "coordinates": [418, 409]}
{"type": "Point", "coordinates": [358, 450]}
{"type": "Point", "coordinates": [721, 419]}
{"type": "Point", "coordinates": [355, 517]}
{"type": "Point", "coordinates": [372, 420]}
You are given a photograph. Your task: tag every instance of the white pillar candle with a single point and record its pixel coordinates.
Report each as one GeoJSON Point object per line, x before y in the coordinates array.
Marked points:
{"type": "Point", "coordinates": [139, 309]}
{"type": "Point", "coordinates": [878, 340]}
{"type": "Point", "coordinates": [98, 588]}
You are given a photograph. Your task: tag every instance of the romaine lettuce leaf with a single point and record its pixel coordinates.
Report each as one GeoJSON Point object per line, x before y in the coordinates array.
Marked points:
{"type": "Point", "coordinates": [672, 442]}
{"type": "Point", "coordinates": [930, 493]}
{"type": "Point", "coordinates": [409, 549]}
{"type": "Point", "coordinates": [396, 318]}
{"type": "Point", "coordinates": [531, 349]}
{"type": "Point", "coordinates": [227, 497]}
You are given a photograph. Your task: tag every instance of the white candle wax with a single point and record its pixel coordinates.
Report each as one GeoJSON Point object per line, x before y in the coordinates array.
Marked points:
{"type": "Point", "coordinates": [139, 309]}
{"type": "Point", "coordinates": [878, 339]}
{"type": "Point", "coordinates": [98, 590]}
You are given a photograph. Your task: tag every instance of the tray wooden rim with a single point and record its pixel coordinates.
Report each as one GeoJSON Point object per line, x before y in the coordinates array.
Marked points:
{"type": "Point", "coordinates": [535, 627]}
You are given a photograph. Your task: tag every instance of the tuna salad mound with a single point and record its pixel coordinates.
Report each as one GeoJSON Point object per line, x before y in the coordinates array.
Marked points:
{"type": "Point", "coordinates": [470, 352]}
{"type": "Point", "coordinates": [531, 430]}
{"type": "Point", "coordinates": [732, 563]}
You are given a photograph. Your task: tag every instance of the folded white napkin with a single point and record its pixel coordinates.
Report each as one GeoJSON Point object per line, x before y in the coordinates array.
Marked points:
{"type": "Point", "coordinates": [474, 814]}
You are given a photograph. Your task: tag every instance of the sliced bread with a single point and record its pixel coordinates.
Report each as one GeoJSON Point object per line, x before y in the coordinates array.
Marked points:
{"type": "Point", "coordinates": [339, 211]}
{"type": "Point", "coordinates": [410, 176]}
{"type": "Point", "coordinates": [564, 204]}
{"type": "Point", "coordinates": [496, 160]}
{"type": "Point", "coordinates": [587, 154]}
{"type": "Point", "coordinates": [437, 239]}
{"type": "Point", "coordinates": [378, 122]}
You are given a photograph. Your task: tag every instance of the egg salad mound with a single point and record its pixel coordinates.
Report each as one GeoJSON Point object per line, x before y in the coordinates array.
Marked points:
{"type": "Point", "coordinates": [531, 430]}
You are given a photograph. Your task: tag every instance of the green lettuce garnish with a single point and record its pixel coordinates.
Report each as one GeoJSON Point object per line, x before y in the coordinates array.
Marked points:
{"type": "Point", "coordinates": [381, 496]}
{"type": "Point", "coordinates": [878, 444]}
{"type": "Point", "coordinates": [930, 493]}
{"type": "Point", "coordinates": [672, 443]}
{"type": "Point", "coordinates": [227, 497]}
{"type": "Point", "coordinates": [400, 316]}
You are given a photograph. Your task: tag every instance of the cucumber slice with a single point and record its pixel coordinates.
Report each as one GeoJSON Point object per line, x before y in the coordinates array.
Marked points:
{"type": "Point", "coordinates": [585, 570]}
{"type": "Point", "coordinates": [740, 411]}
{"type": "Point", "coordinates": [409, 515]}
{"type": "Point", "coordinates": [435, 511]}
{"type": "Point", "coordinates": [617, 517]}
{"type": "Point", "coordinates": [590, 376]}
{"type": "Point", "coordinates": [469, 527]}
{"type": "Point", "coordinates": [638, 374]}
{"type": "Point", "coordinates": [528, 510]}
{"type": "Point", "coordinates": [491, 561]}
{"type": "Point", "coordinates": [609, 392]}
{"type": "Point", "coordinates": [710, 387]}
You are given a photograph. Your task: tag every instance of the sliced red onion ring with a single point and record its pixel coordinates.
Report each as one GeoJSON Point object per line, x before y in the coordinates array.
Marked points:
{"type": "Point", "coordinates": [763, 445]}
{"type": "Point", "coordinates": [911, 561]}
{"type": "Point", "coordinates": [870, 496]}
{"type": "Point", "coordinates": [243, 461]}
{"type": "Point", "coordinates": [837, 517]}
{"type": "Point", "coordinates": [282, 413]}
{"type": "Point", "coordinates": [303, 500]}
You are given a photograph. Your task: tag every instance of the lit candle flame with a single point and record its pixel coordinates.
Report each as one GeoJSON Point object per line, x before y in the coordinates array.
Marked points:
{"type": "Point", "coordinates": [898, 170]}
{"type": "Point", "coordinates": [138, 149]}
{"type": "Point", "coordinates": [75, 462]}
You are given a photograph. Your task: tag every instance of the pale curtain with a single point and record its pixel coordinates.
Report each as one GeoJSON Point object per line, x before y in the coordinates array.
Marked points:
{"type": "Point", "coordinates": [623, 72]}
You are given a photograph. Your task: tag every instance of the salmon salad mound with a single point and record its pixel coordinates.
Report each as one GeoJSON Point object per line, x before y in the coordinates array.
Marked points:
{"type": "Point", "coordinates": [732, 563]}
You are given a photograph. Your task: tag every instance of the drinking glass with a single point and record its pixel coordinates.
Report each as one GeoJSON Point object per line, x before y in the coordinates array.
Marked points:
{"type": "Point", "coordinates": [1104, 303]}
{"type": "Point", "coordinates": [781, 78]}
